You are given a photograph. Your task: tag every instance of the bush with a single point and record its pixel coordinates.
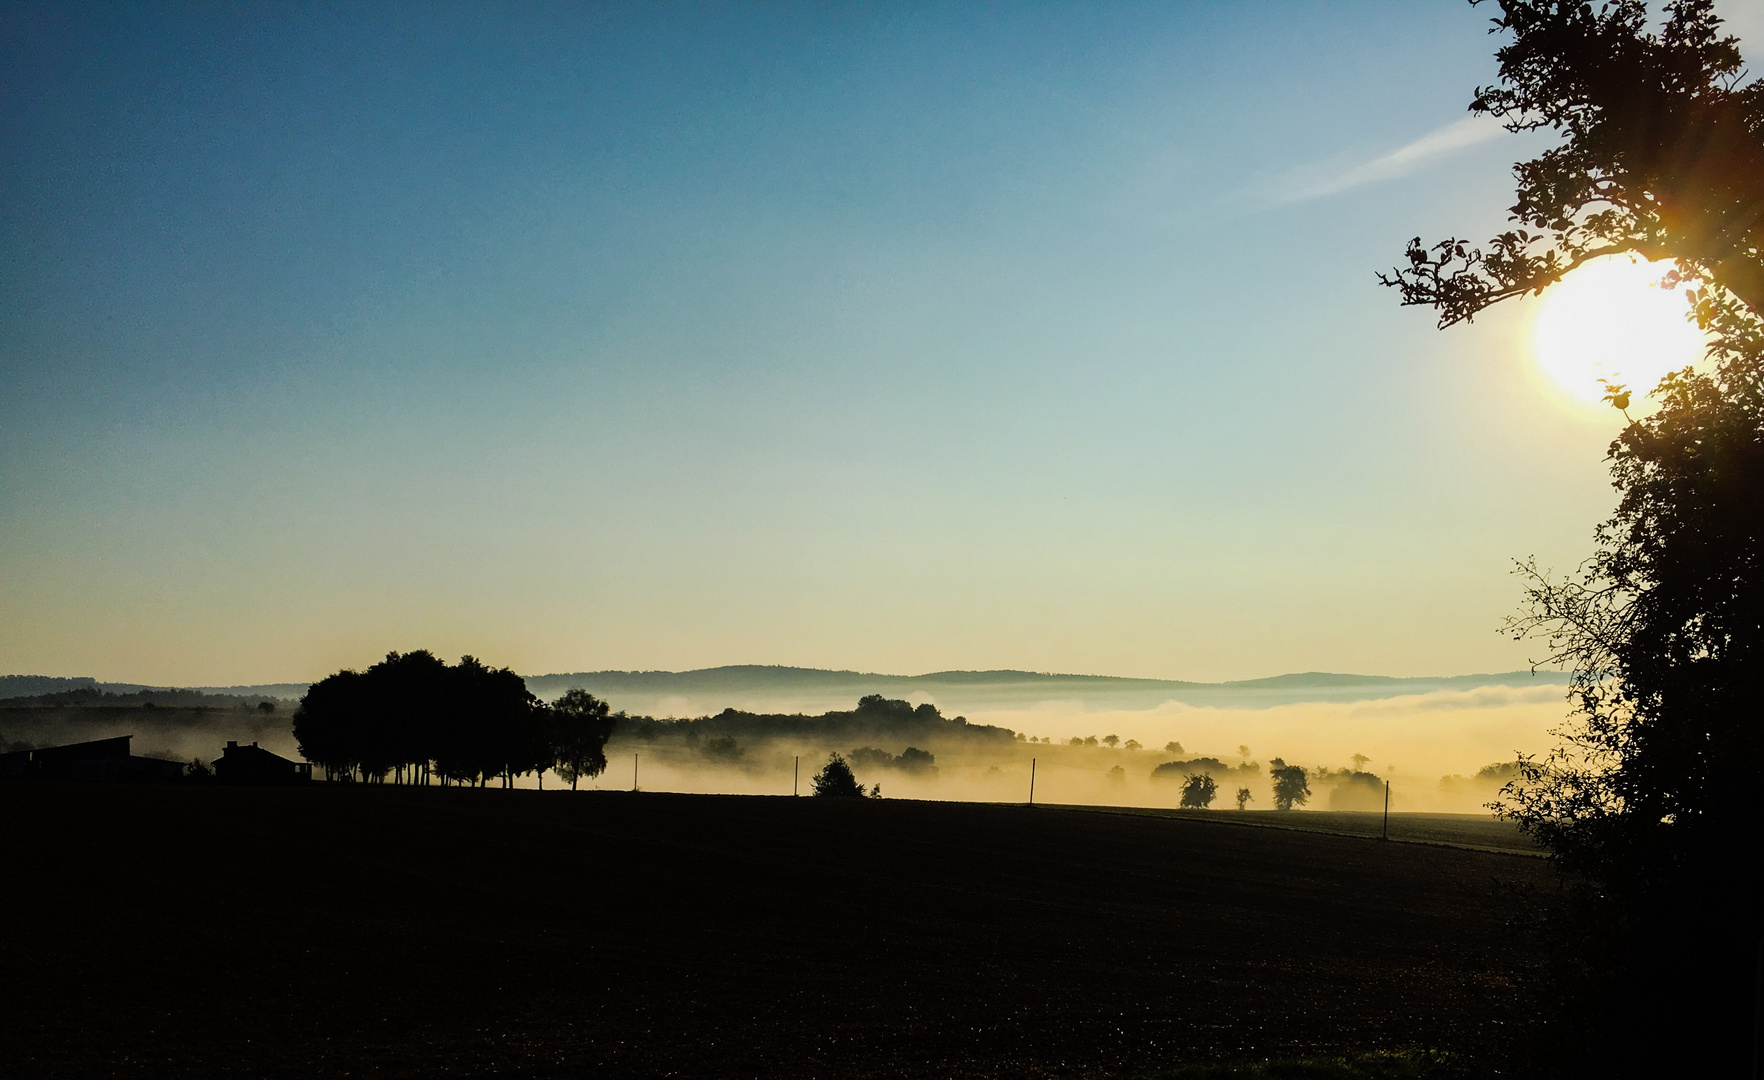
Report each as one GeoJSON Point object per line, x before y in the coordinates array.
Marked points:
{"type": "Point", "coordinates": [835, 780]}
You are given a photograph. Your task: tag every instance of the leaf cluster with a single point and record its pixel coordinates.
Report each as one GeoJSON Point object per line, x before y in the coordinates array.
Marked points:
{"type": "Point", "coordinates": [1661, 155]}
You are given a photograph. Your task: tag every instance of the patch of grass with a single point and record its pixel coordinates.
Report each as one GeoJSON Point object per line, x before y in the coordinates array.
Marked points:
{"type": "Point", "coordinates": [1405, 1065]}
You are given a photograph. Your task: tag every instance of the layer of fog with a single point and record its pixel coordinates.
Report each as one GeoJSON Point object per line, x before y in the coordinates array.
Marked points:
{"type": "Point", "coordinates": [1429, 746]}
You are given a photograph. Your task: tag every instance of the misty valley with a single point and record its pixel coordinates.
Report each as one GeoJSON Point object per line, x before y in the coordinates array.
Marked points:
{"type": "Point", "coordinates": [898, 748]}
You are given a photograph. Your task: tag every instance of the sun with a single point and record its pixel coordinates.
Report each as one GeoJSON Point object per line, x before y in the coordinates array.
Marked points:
{"type": "Point", "coordinates": [1611, 320]}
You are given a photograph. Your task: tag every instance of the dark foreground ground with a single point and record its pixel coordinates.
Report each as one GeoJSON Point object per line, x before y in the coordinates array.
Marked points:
{"type": "Point", "coordinates": [349, 931]}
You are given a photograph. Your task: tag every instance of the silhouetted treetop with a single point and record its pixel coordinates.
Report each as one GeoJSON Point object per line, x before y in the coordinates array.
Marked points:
{"type": "Point", "coordinates": [835, 780]}
{"type": "Point", "coordinates": [1662, 155]}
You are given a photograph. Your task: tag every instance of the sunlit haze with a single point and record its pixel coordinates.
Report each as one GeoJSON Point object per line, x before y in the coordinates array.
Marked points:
{"type": "Point", "coordinates": [1611, 322]}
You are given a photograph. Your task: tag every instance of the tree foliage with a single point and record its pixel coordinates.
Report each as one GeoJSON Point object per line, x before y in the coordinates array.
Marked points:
{"type": "Point", "coordinates": [468, 723]}
{"type": "Point", "coordinates": [1198, 791]}
{"type": "Point", "coordinates": [835, 780]}
{"type": "Point", "coordinates": [1292, 785]}
{"type": "Point", "coordinates": [581, 724]}
{"type": "Point", "coordinates": [1661, 155]}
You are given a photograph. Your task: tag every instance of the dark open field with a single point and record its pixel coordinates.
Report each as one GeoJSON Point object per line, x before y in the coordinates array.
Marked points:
{"type": "Point", "coordinates": [337, 930]}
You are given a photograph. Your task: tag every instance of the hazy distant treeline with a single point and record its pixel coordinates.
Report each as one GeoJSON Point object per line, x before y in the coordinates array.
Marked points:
{"type": "Point", "coordinates": [91, 697]}
{"type": "Point", "coordinates": [874, 717]}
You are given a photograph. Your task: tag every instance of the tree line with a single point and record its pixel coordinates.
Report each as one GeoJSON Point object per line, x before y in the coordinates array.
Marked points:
{"type": "Point", "coordinates": [412, 717]}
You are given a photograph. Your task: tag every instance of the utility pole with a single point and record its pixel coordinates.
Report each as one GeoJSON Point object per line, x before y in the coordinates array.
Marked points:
{"type": "Point", "coordinates": [795, 774]}
{"type": "Point", "coordinates": [1386, 835]}
{"type": "Point", "coordinates": [1031, 781]}
{"type": "Point", "coordinates": [633, 772]}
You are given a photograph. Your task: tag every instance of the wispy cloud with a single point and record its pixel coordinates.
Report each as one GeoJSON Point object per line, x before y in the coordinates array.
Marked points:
{"type": "Point", "coordinates": [1320, 179]}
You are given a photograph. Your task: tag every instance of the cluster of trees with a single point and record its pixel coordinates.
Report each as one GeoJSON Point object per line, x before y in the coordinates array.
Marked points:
{"type": "Point", "coordinates": [911, 760]}
{"type": "Point", "coordinates": [1651, 798]}
{"type": "Point", "coordinates": [875, 719]}
{"type": "Point", "coordinates": [412, 716]}
{"type": "Point", "coordinates": [1292, 785]}
{"type": "Point", "coordinates": [1111, 741]}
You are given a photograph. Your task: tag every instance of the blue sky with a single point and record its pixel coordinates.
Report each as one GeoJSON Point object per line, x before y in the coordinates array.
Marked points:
{"type": "Point", "coordinates": [899, 338]}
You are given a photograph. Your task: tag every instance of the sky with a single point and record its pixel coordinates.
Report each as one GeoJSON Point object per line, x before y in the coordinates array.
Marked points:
{"type": "Point", "coordinates": [891, 337]}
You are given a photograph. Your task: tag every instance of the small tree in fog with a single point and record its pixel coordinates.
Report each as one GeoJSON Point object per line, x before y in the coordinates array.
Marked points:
{"type": "Point", "coordinates": [1243, 797]}
{"type": "Point", "coordinates": [1359, 761]}
{"type": "Point", "coordinates": [581, 725]}
{"type": "Point", "coordinates": [1198, 791]}
{"type": "Point", "coordinates": [1292, 785]}
{"type": "Point", "coordinates": [1111, 740]}
{"type": "Point", "coordinates": [1174, 748]}
{"type": "Point", "coordinates": [1131, 744]}
{"type": "Point", "coordinates": [835, 780]}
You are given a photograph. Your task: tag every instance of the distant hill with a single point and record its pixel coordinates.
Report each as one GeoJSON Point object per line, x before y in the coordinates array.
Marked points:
{"type": "Point", "coordinates": [771, 689]}
{"type": "Point", "coordinates": [94, 697]}
{"type": "Point", "coordinates": [788, 689]}
{"type": "Point", "coordinates": [17, 686]}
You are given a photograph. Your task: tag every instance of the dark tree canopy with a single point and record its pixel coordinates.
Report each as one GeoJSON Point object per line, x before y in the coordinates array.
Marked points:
{"type": "Point", "coordinates": [1292, 785]}
{"type": "Point", "coordinates": [1198, 791]}
{"type": "Point", "coordinates": [581, 724]}
{"type": "Point", "coordinates": [469, 723]}
{"type": "Point", "coordinates": [1662, 155]}
{"type": "Point", "coordinates": [835, 780]}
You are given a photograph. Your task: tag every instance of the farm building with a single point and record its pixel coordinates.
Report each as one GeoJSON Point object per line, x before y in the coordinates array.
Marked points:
{"type": "Point", "coordinates": [255, 765]}
{"type": "Point", "coordinates": [100, 759]}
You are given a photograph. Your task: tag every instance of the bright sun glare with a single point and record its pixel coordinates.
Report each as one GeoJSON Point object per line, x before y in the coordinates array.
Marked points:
{"type": "Point", "coordinates": [1611, 320]}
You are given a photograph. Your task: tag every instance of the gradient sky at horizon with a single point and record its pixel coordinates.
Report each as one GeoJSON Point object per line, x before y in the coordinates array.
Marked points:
{"type": "Point", "coordinates": [894, 338]}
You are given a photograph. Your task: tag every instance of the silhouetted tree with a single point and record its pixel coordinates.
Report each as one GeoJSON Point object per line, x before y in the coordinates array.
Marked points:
{"type": "Point", "coordinates": [1131, 744]}
{"type": "Point", "coordinates": [1111, 740]}
{"type": "Point", "coordinates": [1243, 797]}
{"type": "Point", "coordinates": [266, 707]}
{"type": "Point", "coordinates": [835, 780]}
{"type": "Point", "coordinates": [1198, 791]}
{"type": "Point", "coordinates": [1292, 785]}
{"type": "Point", "coordinates": [582, 724]}
{"type": "Point", "coordinates": [1653, 789]}
{"type": "Point", "coordinates": [1174, 748]}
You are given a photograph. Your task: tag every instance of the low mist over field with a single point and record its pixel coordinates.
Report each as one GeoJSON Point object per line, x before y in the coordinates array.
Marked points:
{"type": "Point", "coordinates": [1440, 742]}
